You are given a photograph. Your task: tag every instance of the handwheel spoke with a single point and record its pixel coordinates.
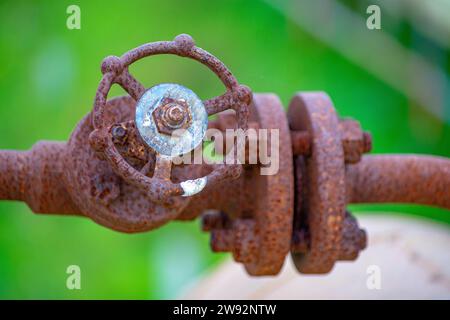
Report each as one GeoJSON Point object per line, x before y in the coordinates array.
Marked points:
{"type": "Point", "coordinates": [220, 103]}
{"type": "Point", "coordinates": [163, 167]}
{"type": "Point", "coordinates": [134, 88]}
{"type": "Point", "coordinates": [147, 167]}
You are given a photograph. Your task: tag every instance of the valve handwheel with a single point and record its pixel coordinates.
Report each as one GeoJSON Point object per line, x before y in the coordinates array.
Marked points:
{"type": "Point", "coordinates": [170, 118]}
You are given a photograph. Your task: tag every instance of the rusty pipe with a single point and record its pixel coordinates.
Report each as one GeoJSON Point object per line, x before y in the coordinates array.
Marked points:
{"type": "Point", "coordinates": [12, 174]}
{"type": "Point", "coordinates": [375, 179]}
{"type": "Point", "coordinates": [35, 177]}
{"type": "Point", "coordinates": [399, 179]}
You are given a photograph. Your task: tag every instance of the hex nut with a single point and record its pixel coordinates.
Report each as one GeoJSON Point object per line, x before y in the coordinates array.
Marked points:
{"type": "Point", "coordinates": [172, 115]}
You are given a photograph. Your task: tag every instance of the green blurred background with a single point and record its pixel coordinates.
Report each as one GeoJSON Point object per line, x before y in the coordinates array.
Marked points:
{"type": "Point", "coordinates": [395, 81]}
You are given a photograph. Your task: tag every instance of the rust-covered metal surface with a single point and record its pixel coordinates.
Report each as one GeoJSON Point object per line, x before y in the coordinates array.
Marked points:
{"type": "Point", "coordinates": [107, 172]}
{"type": "Point", "coordinates": [258, 216]}
{"type": "Point", "coordinates": [324, 231]}
{"type": "Point", "coordinates": [400, 179]}
{"type": "Point", "coordinates": [323, 200]}
{"type": "Point", "coordinates": [159, 187]}
{"type": "Point", "coordinates": [35, 177]}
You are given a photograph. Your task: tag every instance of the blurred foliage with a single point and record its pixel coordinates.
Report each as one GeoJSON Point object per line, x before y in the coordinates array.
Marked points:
{"type": "Point", "coordinates": [48, 78]}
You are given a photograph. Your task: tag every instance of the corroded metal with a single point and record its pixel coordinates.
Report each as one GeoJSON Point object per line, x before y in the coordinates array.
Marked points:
{"type": "Point", "coordinates": [160, 187]}
{"type": "Point", "coordinates": [400, 179]}
{"type": "Point", "coordinates": [171, 115]}
{"type": "Point", "coordinates": [254, 220]}
{"type": "Point", "coordinates": [323, 210]}
{"type": "Point", "coordinates": [108, 173]}
{"type": "Point", "coordinates": [35, 177]}
{"type": "Point", "coordinates": [171, 119]}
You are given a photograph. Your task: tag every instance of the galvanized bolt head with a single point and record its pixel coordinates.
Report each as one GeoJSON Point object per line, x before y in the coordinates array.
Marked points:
{"type": "Point", "coordinates": [171, 119]}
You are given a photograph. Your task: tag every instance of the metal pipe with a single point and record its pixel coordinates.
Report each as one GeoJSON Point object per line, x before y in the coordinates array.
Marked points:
{"type": "Point", "coordinates": [12, 174]}
{"type": "Point", "coordinates": [36, 177]}
{"type": "Point", "coordinates": [400, 179]}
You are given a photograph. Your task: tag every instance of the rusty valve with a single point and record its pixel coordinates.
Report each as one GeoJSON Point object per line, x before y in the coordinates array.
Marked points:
{"type": "Point", "coordinates": [124, 178]}
{"type": "Point", "coordinates": [160, 112]}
